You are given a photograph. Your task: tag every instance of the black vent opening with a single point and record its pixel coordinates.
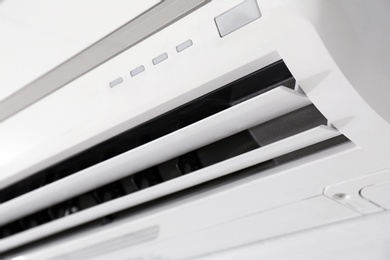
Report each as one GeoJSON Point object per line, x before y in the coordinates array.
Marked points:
{"type": "Point", "coordinates": [223, 98]}
{"type": "Point", "coordinates": [263, 134]}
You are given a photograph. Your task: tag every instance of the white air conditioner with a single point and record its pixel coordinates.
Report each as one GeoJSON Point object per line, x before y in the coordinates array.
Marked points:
{"type": "Point", "coordinates": [199, 128]}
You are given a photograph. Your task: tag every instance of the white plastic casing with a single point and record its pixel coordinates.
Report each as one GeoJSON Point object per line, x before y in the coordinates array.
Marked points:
{"type": "Point", "coordinates": [337, 51]}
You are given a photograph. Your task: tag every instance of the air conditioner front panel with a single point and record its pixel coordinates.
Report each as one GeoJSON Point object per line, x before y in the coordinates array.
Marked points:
{"type": "Point", "coordinates": [90, 110]}
{"type": "Point", "coordinates": [54, 122]}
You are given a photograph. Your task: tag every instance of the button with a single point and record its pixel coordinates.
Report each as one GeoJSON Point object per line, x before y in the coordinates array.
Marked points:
{"type": "Point", "coordinates": [116, 82]}
{"type": "Point", "coordinates": [137, 71]}
{"type": "Point", "coordinates": [160, 58]}
{"type": "Point", "coordinates": [237, 17]}
{"type": "Point", "coordinates": [184, 45]}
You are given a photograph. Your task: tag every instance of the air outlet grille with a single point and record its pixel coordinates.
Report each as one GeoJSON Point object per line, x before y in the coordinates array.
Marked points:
{"type": "Point", "coordinates": [257, 120]}
{"type": "Point", "coordinates": [245, 88]}
{"type": "Point", "coordinates": [240, 143]}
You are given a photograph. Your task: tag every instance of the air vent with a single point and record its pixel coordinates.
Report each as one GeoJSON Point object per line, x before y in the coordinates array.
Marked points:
{"type": "Point", "coordinates": [258, 119]}
{"type": "Point", "coordinates": [254, 84]}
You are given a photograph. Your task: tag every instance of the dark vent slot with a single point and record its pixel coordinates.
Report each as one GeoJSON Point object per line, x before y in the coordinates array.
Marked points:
{"type": "Point", "coordinates": [312, 149]}
{"type": "Point", "coordinates": [240, 143]}
{"type": "Point", "coordinates": [240, 90]}
{"type": "Point", "coordinates": [239, 175]}
{"type": "Point", "coordinates": [287, 125]}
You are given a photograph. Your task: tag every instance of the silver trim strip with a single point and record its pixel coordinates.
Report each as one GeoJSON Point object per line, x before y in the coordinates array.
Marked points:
{"type": "Point", "coordinates": [132, 33]}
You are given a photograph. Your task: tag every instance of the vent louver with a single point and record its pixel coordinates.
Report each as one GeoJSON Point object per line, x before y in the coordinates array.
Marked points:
{"type": "Point", "coordinates": [212, 103]}
{"type": "Point", "coordinates": [258, 119]}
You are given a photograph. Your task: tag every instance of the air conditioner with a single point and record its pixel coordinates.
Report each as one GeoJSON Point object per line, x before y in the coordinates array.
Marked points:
{"type": "Point", "coordinates": [200, 127]}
